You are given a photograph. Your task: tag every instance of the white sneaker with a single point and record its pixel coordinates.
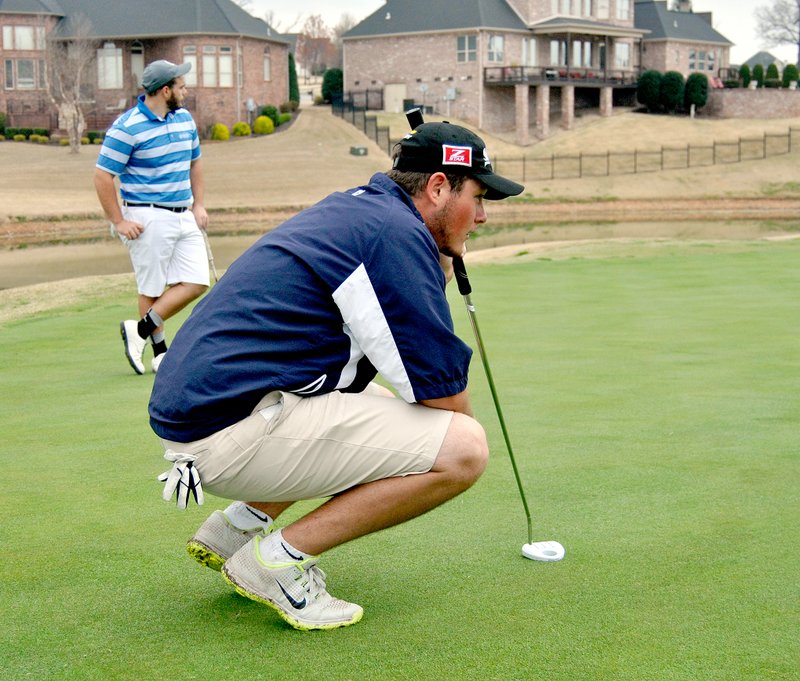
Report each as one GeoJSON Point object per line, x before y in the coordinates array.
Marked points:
{"type": "Point", "coordinates": [157, 362]}
{"type": "Point", "coordinates": [217, 539]}
{"type": "Point", "coordinates": [134, 344]}
{"type": "Point", "coordinates": [295, 590]}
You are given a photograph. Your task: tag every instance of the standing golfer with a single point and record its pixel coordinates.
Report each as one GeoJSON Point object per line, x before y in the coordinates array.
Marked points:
{"type": "Point", "coordinates": [154, 150]}
{"type": "Point", "coordinates": [266, 393]}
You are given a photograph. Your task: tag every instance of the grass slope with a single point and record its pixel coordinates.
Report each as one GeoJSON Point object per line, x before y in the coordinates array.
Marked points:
{"type": "Point", "coordinates": [652, 400]}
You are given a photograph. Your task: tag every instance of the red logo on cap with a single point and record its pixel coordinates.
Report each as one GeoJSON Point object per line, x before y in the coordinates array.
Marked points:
{"type": "Point", "coordinates": [456, 156]}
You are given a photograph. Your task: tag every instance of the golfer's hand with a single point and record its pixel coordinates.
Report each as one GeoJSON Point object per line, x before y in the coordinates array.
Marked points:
{"type": "Point", "coordinates": [182, 480]}
{"type": "Point", "coordinates": [201, 217]}
{"type": "Point", "coordinates": [128, 229]}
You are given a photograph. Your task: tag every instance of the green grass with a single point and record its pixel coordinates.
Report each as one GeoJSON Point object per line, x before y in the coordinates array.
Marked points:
{"type": "Point", "coordinates": [652, 401]}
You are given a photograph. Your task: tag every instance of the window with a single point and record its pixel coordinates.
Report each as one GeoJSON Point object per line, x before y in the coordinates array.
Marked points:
{"type": "Point", "coordinates": [23, 38]}
{"type": "Point", "coordinates": [209, 66]}
{"type": "Point", "coordinates": [21, 74]}
{"type": "Point", "coordinates": [529, 56]}
{"type": "Point", "coordinates": [267, 64]}
{"type": "Point", "coordinates": [602, 9]}
{"type": "Point", "coordinates": [692, 60]}
{"type": "Point", "coordinates": [137, 62]}
{"type": "Point", "coordinates": [623, 10]}
{"type": "Point", "coordinates": [495, 52]}
{"type": "Point", "coordinates": [558, 53]}
{"type": "Point", "coordinates": [587, 8]}
{"type": "Point", "coordinates": [109, 67]}
{"type": "Point", "coordinates": [190, 57]}
{"type": "Point", "coordinates": [622, 52]}
{"type": "Point", "coordinates": [225, 67]}
{"type": "Point", "coordinates": [467, 48]}
{"type": "Point", "coordinates": [712, 56]}
{"type": "Point", "coordinates": [554, 6]}
{"type": "Point", "coordinates": [217, 66]}
{"type": "Point", "coordinates": [581, 53]}
{"type": "Point", "coordinates": [566, 7]}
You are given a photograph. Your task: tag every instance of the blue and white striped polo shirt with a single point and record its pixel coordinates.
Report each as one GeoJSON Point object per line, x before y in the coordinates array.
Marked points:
{"type": "Point", "coordinates": [152, 156]}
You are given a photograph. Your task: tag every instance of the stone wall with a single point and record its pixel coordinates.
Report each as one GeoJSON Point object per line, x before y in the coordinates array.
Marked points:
{"type": "Point", "coordinates": [761, 103]}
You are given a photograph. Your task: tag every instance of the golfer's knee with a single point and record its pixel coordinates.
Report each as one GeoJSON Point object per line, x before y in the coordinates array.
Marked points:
{"type": "Point", "coordinates": [465, 451]}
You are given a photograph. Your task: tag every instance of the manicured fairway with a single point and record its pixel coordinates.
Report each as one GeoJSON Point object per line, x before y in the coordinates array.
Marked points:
{"type": "Point", "coordinates": [652, 395]}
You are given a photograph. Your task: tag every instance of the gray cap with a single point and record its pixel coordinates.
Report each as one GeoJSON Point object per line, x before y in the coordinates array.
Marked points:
{"type": "Point", "coordinates": [161, 72]}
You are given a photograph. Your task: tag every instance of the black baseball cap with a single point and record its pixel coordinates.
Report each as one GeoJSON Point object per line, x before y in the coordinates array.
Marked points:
{"type": "Point", "coordinates": [448, 148]}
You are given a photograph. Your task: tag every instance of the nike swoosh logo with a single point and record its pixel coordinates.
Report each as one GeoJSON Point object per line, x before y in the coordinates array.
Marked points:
{"type": "Point", "coordinates": [299, 605]}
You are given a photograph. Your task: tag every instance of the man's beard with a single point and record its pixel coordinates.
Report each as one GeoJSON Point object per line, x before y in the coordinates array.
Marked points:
{"type": "Point", "coordinates": [172, 102]}
{"type": "Point", "coordinates": [438, 227]}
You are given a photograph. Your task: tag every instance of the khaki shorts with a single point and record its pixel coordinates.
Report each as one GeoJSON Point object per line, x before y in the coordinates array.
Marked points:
{"type": "Point", "coordinates": [292, 448]}
{"type": "Point", "coordinates": [169, 251]}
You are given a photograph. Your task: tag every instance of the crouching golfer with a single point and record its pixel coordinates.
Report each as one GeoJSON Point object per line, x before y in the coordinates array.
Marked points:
{"type": "Point", "coordinates": [266, 392]}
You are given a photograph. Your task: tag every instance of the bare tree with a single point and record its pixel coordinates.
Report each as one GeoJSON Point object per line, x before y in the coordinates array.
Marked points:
{"type": "Point", "coordinates": [779, 23]}
{"type": "Point", "coordinates": [315, 49]}
{"type": "Point", "coordinates": [346, 22]}
{"type": "Point", "coordinates": [278, 25]}
{"type": "Point", "coordinates": [67, 62]}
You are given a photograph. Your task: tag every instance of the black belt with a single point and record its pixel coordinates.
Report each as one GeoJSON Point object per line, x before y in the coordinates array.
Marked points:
{"type": "Point", "coordinates": [174, 209]}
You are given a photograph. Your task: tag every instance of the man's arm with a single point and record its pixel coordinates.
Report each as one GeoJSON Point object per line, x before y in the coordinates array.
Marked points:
{"type": "Point", "coordinates": [198, 192]}
{"type": "Point", "coordinates": [107, 193]}
{"type": "Point", "coordinates": [459, 403]}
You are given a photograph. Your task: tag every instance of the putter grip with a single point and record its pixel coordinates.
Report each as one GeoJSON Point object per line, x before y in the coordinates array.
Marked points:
{"type": "Point", "coordinates": [464, 287]}
{"type": "Point", "coordinates": [414, 118]}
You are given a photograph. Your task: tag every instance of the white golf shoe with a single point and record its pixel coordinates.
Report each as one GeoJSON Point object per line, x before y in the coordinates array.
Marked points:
{"type": "Point", "coordinates": [295, 590]}
{"type": "Point", "coordinates": [157, 362]}
{"type": "Point", "coordinates": [134, 344]}
{"type": "Point", "coordinates": [217, 539]}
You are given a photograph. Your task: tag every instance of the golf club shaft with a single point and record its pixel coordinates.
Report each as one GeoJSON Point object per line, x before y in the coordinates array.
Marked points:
{"type": "Point", "coordinates": [210, 256]}
{"type": "Point", "coordinates": [465, 289]}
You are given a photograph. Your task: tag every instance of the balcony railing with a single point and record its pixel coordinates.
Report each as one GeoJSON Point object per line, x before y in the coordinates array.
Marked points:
{"type": "Point", "coordinates": [513, 75]}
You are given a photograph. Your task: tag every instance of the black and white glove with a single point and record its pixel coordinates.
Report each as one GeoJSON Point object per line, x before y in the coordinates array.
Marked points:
{"type": "Point", "coordinates": [181, 480]}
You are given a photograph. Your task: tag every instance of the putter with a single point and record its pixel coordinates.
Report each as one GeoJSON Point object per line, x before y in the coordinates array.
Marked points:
{"type": "Point", "coordinates": [210, 256]}
{"type": "Point", "coordinates": [547, 551]}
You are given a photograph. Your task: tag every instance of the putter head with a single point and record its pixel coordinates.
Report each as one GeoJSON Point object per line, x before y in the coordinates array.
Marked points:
{"type": "Point", "coordinates": [546, 551]}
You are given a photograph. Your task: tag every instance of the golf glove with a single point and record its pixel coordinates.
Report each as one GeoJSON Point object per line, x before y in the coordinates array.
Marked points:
{"type": "Point", "coordinates": [181, 480]}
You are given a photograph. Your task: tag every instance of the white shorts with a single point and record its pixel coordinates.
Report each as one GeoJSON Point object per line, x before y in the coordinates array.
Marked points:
{"type": "Point", "coordinates": [171, 250]}
{"type": "Point", "coordinates": [292, 448]}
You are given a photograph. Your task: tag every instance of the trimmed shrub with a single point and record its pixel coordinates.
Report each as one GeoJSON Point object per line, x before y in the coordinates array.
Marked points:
{"type": "Point", "coordinates": [97, 140]}
{"type": "Point", "coordinates": [731, 84]}
{"type": "Point", "coordinates": [95, 134]}
{"type": "Point", "coordinates": [672, 89]}
{"type": "Point", "coordinates": [790, 74]}
{"type": "Point", "coordinates": [772, 72]}
{"type": "Point", "coordinates": [271, 112]}
{"type": "Point", "coordinates": [758, 74]}
{"type": "Point", "coordinates": [332, 85]}
{"type": "Point", "coordinates": [284, 118]}
{"type": "Point", "coordinates": [649, 90]}
{"type": "Point", "coordinates": [294, 88]}
{"type": "Point", "coordinates": [219, 131]}
{"type": "Point", "coordinates": [42, 132]}
{"type": "Point", "coordinates": [772, 82]}
{"type": "Point", "coordinates": [43, 139]}
{"type": "Point", "coordinates": [63, 141]}
{"type": "Point", "coordinates": [241, 129]}
{"type": "Point", "coordinates": [744, 74]}
{"type": "Point", "coordinates": [263, 125]}
{"type": "Point", "coordinates": [33, 138]}
{"type": "Point", "coordinates": [25, 131]}
{"type": "Point", "coordinates": [2, 124]}
{"type": "Point", "coordinates": [19, 138]}
{"type": "Point", "coordinates": [696, 91]}
{"type": "Point", "coordinates": [85, 140]}
{"type": "Point", "coordinates": [10, 132]}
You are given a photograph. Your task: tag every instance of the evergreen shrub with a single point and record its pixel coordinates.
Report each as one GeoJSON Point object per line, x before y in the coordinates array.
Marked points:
{"type": "Point", "coordinates": [263, 125]}
{"type": "Point", "coordinates": [219, 131]}
{"type": "Point", "coordinates": [241, 129]}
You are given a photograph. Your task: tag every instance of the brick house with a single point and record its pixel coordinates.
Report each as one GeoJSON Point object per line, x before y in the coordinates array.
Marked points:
{"type": "Point", "coordinates": [500, 65]}
{"type": "Point", "coordinates": [238, 61]}
{"type": "Point", "coordinates": [680, 40]}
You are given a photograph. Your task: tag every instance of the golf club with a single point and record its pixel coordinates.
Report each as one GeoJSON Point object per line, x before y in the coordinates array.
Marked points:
{"type": "Point", "coordinates": [210, 256]}
{"type": "Point", "coordinates": [548, 551]}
